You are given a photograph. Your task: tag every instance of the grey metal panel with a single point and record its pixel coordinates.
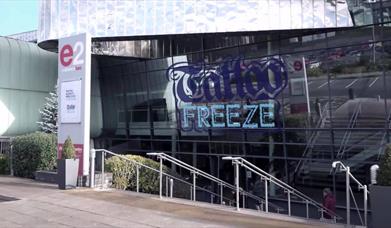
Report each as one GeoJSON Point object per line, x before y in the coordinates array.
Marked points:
{"type": "Point", "coordinates": [30, 36]}
{"type": "Point", "coordinates": [107, 18]}
{"type": "Point", "coordinates": [27, 74]}
{"type": "Point", "coordinates": [96, 123]}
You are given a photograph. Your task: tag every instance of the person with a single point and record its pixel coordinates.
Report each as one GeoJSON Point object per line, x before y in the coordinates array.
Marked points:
{"type": "Point", "coordinates": [329, 203]}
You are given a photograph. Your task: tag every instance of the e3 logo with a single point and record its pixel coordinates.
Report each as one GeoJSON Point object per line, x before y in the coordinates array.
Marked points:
{"type": "Point", "coordinates": [70, 56]}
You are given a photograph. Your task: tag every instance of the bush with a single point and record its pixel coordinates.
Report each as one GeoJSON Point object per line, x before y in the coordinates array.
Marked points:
{"type": "Point", "coordinates": [384, 176]}
{"type": "Point", "coordinates": [296, 120]}
{"type": "Point", "coordinates": [315, 72]}
{"type": "Point", "coordinates": [124, 175]}
{"type": "Point", "coordinates": [68, 150]}
{"type": "Point", "coordinates": [4, 164]}
{"type": "Point", "coordinates": [32, 152]}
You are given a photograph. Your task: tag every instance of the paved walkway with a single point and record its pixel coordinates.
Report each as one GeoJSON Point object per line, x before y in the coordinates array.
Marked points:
{"type": "Point", "coordinates": [43, 205]}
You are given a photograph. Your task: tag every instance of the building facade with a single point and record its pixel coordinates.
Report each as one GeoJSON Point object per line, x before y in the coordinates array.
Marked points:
{"type": "Point", "coordinates": [27, 75]}
{"type": "Point", "coordinates": [290, 85]}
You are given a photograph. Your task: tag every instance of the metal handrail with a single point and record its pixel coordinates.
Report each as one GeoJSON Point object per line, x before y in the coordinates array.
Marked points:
{"type": "Point", "coordinates": [220, 182]}
{"type": "Point", "coordinates": [288, 189]}
{"type": "Point", "coordinates": [382, 146]}
{"type": "Point", "coordinates": [349, 192]}
{"type": "Point", "coordinates": [155, 170]}
{"type": "Point", "coordinates": [306, 150]}
{"type": "Point", "coordinates": [348, 132]}
{"type": "Point", "coordinates": [352, 146]}
{"type": "Point", "coordinates": [312, 139]}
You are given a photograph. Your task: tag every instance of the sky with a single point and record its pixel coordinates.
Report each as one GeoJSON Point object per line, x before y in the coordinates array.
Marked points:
{"type": "Point", "coordinates": [18, 16]}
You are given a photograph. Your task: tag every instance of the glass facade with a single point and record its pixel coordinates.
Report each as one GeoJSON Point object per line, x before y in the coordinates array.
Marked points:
{"type": "Point", "coordinates": [291, 102]}
{"type": "Point", "coordinates": [126, 18]}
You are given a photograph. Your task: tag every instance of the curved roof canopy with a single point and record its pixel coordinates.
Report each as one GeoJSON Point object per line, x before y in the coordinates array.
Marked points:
{"type": "Point", "coordinates": [61, 18]}
{"type": "Point", "coordinates": [27, 74]}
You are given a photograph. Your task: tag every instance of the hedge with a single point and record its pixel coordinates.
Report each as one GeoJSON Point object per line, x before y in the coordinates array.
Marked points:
{"type": "Point", "coordinates": [32, 152]}
{"type": "Point", "coordinates": [4, 164]}
{"type": "Point", "coordinates": [384, 176]}
{"type": "Point", "coordinates": [124, 175]}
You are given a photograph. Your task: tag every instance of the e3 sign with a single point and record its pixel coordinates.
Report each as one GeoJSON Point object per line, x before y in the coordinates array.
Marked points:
{"type": "Point", "coordinates": [72, 56]}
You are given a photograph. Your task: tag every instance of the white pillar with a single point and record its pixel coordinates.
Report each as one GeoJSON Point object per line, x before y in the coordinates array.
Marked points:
{"type": "Point", "coordinates": [92, 168]}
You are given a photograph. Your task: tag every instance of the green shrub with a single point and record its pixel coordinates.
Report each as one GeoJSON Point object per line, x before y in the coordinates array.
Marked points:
{"type": "Point", "coordinates": [124, 175]}
{"type": "Point", "coordinates": [384, 176]}
{"type": "Point", "coordinates": [32, 152]}
{"type": "Point", "coordinates": [315, 72]}
{"type": "Point", "coordinates": [68, 150]}
{"type": "Point", "coordinates": [4, 164]}
{"type": "Point", "coordinates": [296, 120]}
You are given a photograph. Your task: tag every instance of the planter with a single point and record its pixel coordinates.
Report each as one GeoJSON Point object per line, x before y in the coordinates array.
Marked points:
{"type": "Point", "coordinates": [46, 176]}
{"type": "Point", "coordinates": [67, 171]}
{"type": "Point", "coordinates": [380, 206]}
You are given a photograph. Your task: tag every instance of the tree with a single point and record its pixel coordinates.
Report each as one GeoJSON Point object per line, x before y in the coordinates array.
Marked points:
{"type": "Point", "coordinates": [48, 123]}
{"type": "Point", "coordinates": [384, 176]}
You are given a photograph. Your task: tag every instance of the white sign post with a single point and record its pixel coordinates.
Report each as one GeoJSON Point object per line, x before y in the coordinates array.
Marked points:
{"type": "Point", "coordinates": [74, 74]}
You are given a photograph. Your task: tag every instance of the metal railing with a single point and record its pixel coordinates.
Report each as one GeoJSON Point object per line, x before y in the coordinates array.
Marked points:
{"type": "Point", "coordinates": [346, 169]}
{"type": "Point", "coordinates": [348, 133]}
{"type": "Point", "coordinates": [170, 180]}
{"type": "Point", "coordinates": [287, 188]}
{"type": "Point", "coordinates": [311, 141]}
{"type": "Point", "coordinates": [364, 153]}
{"type": "Point", "coordinates": [222, 184]}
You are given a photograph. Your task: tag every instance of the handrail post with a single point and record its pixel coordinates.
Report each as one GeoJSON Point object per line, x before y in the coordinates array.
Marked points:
{"type": "Point", "coordinates": [194, 186]}
{"type": "Point", "coordinates": [103, 169]}
{"type": "Point", "coordinates": [166, 178]}
{"type": "Point", "coordinates": [171, 187]}
{"type": "Point", "coordinates": [365, 205]}
{"type": "Point", "coordinates": [307, 209]}
{"type": "Point", "coordinates": [137, 178]}
{"type": "Point", "coordinates": [244, 199]}
{"type": "Point", "coordinates": [348, 196]}
{"type": "Point", "coordinates": [266, 196]}
{"type": "Point", "coordinates": [221, 193]}
{"type": "Point", "coordinates": [92, 168]}
{"type": "Point", "coordinates": [237, 184]}
{"type": "Point", "coordinates": [160, 176]}
{"type": "Point", "coordinates": [289, 203]}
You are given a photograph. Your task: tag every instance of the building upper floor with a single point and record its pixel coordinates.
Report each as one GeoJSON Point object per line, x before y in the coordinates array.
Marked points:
{"type": "Point", "coordinates": [105, 20]}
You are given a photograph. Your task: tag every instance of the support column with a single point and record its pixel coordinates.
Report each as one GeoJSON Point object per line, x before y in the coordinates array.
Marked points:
{"type": "Point", "coordinates": [237, 185]}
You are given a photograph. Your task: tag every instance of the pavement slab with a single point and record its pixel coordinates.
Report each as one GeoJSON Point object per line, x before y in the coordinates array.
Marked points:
{"type": "Point", "coordinates": [43, 205]}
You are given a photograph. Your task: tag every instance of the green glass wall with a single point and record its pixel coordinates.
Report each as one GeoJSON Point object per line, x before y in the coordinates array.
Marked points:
{"type": "Point", "coordinates": [27, 74]}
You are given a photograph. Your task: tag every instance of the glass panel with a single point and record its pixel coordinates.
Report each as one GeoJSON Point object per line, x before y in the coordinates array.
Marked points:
{"type": "Point", "coordinates": [357, 147]}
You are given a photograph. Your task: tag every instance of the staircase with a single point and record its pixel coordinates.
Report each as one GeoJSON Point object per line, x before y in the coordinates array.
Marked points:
{"type": "Point", "coordinates": [295, 206]}
{"type": "Point", "coordinates": [359, 139]}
